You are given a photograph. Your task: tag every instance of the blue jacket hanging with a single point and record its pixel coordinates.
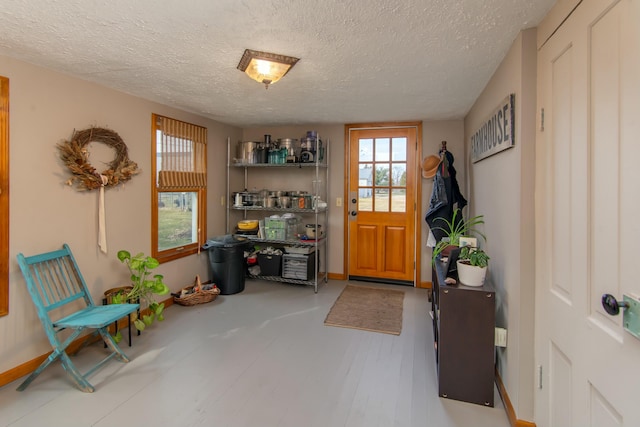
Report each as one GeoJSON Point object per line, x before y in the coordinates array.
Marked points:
{"type": "Point", "coordinates": [445, 196]}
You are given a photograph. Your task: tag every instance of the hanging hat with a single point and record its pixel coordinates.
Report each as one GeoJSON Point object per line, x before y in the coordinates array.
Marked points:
{"type": "Point", "coordinates": [430, 166]}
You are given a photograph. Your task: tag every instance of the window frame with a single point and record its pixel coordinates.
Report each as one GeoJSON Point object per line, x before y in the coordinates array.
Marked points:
{"type": "Point", "coordinates": [185, 250]}
{"type": "Point", "coordinates": [4, 196]}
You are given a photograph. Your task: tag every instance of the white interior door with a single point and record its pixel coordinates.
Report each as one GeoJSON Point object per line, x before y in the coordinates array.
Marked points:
{"type": "Point", "coordinates": [587, 208]}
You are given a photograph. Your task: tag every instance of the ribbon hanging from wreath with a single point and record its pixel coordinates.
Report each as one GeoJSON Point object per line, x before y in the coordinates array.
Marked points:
{"type": "Point", "coordinates": [75, 154]}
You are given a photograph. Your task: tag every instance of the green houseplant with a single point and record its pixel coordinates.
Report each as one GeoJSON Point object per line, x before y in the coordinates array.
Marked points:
{"type": "Point", "coordinates": [473, 256]}
{"type": "Point", "coordinates": [454, 229]}
{"type": "Point", "coordinates": [472, 266]}
{"type": "Point", "coordinates": [144, 286]}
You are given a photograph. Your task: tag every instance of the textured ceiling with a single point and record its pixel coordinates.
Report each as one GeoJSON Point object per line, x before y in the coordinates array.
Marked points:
{"type": "Point", "coordinates": [361, 60]}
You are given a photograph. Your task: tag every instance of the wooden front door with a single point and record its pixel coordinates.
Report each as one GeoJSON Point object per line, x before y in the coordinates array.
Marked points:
{"type": "Point", "coordinates": [587, 228]}
{"type": "Point", "coordinates": [381, 204]}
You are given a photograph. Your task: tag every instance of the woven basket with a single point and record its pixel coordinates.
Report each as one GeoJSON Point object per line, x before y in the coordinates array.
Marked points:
{"type": "Point", "coordinates": [200, 297]}
{"type": "Point", "coordinates": [197, 297]}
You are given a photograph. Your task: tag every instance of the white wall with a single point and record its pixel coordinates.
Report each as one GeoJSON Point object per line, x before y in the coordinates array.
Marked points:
{"type": "Point", "coordinates": [501, 188]}
{"type": "Point", "coordinates": [45, 108]}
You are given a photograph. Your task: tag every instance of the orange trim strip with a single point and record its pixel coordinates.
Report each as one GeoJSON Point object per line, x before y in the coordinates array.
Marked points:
{"type": "Point", "coordinates": [511, 413]}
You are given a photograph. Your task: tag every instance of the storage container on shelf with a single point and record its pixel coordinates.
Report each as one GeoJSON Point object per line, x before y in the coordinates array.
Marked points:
{"type": "Point", "coordinates": [299, 266]}
{"type": "Point", "coordinates": [283, 227]}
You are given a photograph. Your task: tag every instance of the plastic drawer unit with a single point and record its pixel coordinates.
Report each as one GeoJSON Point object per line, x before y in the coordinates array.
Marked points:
{"type": "Point", "coordinates": [299, 266]}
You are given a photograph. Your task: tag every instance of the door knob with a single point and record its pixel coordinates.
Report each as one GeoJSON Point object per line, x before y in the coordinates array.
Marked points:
{"type": "Point", "coordinates": [611, 305]}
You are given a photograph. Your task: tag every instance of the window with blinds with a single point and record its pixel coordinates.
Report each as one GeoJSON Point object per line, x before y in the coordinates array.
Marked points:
{"type": "Point", "coordinates": [180, 184]}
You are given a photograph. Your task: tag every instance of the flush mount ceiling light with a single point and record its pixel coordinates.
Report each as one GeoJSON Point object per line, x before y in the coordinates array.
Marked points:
{"type": "Point", "coordinates": [265, 67]}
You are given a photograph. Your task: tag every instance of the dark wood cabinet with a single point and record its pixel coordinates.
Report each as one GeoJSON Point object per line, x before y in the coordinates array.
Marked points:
{"type": "Point", "coordinates": [464, 339]}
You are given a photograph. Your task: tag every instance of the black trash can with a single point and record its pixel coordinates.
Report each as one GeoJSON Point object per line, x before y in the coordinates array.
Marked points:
{"type": "Point", "coordinates": [226, 262]}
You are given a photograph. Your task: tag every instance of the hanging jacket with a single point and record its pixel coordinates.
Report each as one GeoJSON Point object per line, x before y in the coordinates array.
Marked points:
{"type": "Point", "coordinates": [445, 197]}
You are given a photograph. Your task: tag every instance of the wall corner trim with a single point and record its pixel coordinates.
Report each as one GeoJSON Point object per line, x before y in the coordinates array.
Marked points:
{"type": "Point", "coordinates": [508, 407]}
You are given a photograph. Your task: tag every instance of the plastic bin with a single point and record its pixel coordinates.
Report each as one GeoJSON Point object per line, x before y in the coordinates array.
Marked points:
{"type": "Point", "coordinates": [299, 266]}
{"type": "Point", "coordinates": [270, 264]}
{"type": "Point", "coordinates": [226, 262]}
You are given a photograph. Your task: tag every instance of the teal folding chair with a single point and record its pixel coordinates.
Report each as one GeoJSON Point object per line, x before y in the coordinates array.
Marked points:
{"type": "Point", "coordinates": [63, 302]}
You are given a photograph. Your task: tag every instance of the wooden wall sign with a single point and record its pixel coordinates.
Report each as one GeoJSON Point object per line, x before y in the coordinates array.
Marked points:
{"type": "Point", "coordinates": [497, 133]}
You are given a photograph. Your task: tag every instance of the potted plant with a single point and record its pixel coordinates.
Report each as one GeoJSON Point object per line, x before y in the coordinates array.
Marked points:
{"type": "Point", "coordinates": [472, 266]}
{"type": "Point", "coordinates": [454, 229]}
{"type": "Point", "coordinates": [144, 287]}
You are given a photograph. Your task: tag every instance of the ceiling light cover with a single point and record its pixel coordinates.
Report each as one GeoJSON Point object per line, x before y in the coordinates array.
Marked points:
{"type": "Point", "coordinates": [265, 67]}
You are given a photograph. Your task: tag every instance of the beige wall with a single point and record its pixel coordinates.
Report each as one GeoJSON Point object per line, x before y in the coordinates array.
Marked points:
{"type": "Point", "coordinates": [45, 108]}
{"type": "Point", "coordinates": [501, 188]}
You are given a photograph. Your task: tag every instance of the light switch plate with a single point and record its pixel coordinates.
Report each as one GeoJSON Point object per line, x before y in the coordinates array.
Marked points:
{"type": "Point", "coordinates": [631, 316]}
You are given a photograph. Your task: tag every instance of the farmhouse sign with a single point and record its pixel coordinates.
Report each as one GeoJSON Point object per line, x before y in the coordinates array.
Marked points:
{"type": "Point", "coordinates": [495, 134]}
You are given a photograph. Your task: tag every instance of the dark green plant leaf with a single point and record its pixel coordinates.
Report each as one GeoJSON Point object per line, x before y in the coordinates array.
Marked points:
{"type": "Point", "coordinates": [476, 257]}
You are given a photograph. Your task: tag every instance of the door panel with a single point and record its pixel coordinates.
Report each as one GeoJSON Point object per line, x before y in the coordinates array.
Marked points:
{"type": "Point", "coordinates": [560, 386]}
{"type": "Point", "coordinates": [394, 256]}
{"type": "Point", "coordinates": [367, 242]}
{"type": "Point", "coordinates": [587, 232]}
{"type": "Point", "coordinates": [381, 226]}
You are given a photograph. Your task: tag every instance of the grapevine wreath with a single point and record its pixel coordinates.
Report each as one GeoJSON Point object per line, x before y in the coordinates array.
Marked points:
{"type": "Point", "coordinates": [75, 155]}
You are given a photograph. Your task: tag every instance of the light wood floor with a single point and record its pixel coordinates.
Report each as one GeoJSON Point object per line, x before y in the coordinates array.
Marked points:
{"type": "Point", "coordinates": [260, 358]}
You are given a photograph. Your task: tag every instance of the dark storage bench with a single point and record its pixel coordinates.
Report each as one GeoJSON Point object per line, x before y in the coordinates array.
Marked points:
{"type": "Point", "coordinates": [464, 339]}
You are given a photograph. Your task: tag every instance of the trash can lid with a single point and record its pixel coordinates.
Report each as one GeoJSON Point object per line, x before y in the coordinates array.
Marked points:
{"type": "Point", "coordinates": [226, 241]}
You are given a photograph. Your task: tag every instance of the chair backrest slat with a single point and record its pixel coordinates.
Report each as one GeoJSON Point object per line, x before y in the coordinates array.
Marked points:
{"type": "Point", "coordinates": [55, 279]}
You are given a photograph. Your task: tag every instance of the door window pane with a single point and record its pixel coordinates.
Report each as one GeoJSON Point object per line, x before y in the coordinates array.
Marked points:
{"type": "Point", "coordinates": [382, 200]}
{"type": "Point", "coordinates": [399, 200]}
{"type": "Point", "coordinates": [382, 149]}
{"type": "Point", "coordinates": [399, 149]}
{"type": "Point", "coordinates": [399, 175]}
{"type": "Point", "coordinates": [365, 199]}
{"type": "Point", "coordinates": [365, 178]}
{"type": "Point", "coordinates": [366, 150]}
{"type": "Point", "coordinates": [382, 174]}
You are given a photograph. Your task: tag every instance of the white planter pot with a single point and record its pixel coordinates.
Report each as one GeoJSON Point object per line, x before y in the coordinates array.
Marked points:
{"type": "Point", "coordinates": [470, 275]}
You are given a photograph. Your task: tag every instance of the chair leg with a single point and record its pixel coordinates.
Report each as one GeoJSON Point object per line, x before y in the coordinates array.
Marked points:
{"type": "Point", "coordinates": [75, 375]}
{"type": "Point", "coordinates": [129, 322]}
{"type": "Point", "coordinates": [108, 339]}
{"type": "Point", "coordinates": [52, 357]}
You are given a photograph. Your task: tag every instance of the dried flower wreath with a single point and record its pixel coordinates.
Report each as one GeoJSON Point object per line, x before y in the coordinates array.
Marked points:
{"type": "Point", "coordinates": [75, 155]}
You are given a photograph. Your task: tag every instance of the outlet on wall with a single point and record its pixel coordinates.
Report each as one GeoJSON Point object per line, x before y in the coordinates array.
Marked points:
{"type": "Point", "coordinates": [501, 337]}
